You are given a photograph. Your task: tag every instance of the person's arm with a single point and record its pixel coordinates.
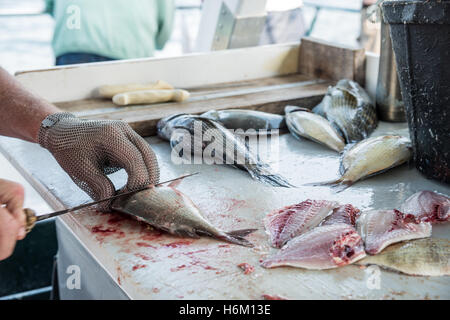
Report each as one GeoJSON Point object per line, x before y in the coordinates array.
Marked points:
{"type": "Point", "coordinates": [87, 150]}
{"type": "Point", "coordinates": [166, 12]}
{"type": "Point", "coordinates": [12, 218]}
{"type": "Point", "coordinates": [21, 112]}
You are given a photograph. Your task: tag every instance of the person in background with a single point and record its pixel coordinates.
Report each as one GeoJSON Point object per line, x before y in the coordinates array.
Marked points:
{"type": "Point", "coordinates": [103, 30]}
{"type": "Point", "coordinates": [370, 37]}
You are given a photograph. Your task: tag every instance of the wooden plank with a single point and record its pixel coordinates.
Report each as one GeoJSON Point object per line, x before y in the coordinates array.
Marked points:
{"type": "Point", "coordinates": [143, 119]}
{"type": "Point", "coordinates": [321, 59]}
{"type": "Point", "coordinates": [98, 105]}
{"type": "Point", "coordinates": [78, 82]}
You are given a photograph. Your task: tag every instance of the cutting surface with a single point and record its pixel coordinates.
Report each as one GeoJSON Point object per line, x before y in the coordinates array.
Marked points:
{"type": "Point", "coordinates": [150, 265]}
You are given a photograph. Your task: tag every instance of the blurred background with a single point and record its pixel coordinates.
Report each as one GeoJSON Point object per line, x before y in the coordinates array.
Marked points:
{"type": "Point", "coordinates": [26, 33]}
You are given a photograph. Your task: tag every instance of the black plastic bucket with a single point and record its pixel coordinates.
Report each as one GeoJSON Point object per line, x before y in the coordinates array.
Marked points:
{"type": "Point", "coordinates": [420, 32]}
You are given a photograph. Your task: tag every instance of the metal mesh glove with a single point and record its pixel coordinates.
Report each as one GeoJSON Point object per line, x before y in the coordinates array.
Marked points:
{"type": "Point", "coordinates": [88, 150]}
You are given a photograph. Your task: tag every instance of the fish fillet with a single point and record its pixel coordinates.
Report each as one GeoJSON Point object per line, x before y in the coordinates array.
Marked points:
{"type": "Point", "coordinates": [324, 247]}
{"type": "Point", "coordinates": [428, 206]}
{"type": "Point", "coordinates": [347, 214]}
{"type": "Point", "coordinates": [381, 228]}
{"type": "Point", "coordinates": [424, 257]}
{"type": "Point", "coordinates": [284, 224]}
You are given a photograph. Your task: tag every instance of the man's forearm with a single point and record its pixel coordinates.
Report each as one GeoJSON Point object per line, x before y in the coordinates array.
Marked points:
{"type": "Point", "coordinates": [21, 112]}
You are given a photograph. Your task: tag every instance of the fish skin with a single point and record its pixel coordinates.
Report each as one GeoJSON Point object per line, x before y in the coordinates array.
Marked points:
{"type": "Point", "coordinates": [165, 126]}
{"type": "Point", "coordinates": [167, 209]}
{"type": "Point", "coordinates": [289, 222]}
{"type": "Point", "coordinates": [324, 247]}
{"type": "Point", "coordinates": [347, 214]}
{"type": "Point", "coordinates": [381, 228]}
{"type": "Point", "coordinates": [314, 127]}
{"type": "Point", "coordinates": [428, 206]}
{"type": "Point", "coordinates": [370, 157]}
{"type": "Point", "coordinates": [246, 119]}
{"type": "Point", "coordinates": [350, 109]}
{"type": "Point", "coordinates": [423, 257]}
{"type": "Point", "coordinates": [217, 137]}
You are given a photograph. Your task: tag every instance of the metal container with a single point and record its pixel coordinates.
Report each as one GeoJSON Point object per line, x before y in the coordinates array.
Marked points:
{"type": "Point", "coordinates": [420, 32]}
{"type": "Point", "coordinates": [389, 101]}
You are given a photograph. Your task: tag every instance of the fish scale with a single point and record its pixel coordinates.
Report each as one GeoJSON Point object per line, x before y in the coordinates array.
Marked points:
{"type": "Point", "coordinates": [349, 108]}
{"type": "Point", "coordinates": [423, 257]}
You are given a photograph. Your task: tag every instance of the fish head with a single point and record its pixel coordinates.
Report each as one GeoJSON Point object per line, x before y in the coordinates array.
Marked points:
{"type": "Point", "coordinates": [212, 114]}
{"type": "Point", "coordinates": [166, 126]}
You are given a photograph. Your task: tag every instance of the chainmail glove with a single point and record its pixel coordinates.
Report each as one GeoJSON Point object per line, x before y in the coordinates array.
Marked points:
{"type": "Point", "coordinates": [89, 150]}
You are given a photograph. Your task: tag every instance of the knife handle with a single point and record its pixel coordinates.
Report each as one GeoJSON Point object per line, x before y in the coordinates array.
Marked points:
{"type": "Point", "coordinates": [30, 219]}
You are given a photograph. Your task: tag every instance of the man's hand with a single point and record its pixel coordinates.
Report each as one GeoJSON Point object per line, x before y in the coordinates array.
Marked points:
{"type": "Point", "coordinates": [12, 217]}
{"type": "Point", "coordinates": [88, 150]}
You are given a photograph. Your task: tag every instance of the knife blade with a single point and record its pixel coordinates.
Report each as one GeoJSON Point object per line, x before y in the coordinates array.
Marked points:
{"type": "Point", "coordinates": [32, 218]}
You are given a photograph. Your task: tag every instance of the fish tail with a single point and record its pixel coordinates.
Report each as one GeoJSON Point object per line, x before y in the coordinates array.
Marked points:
{"type": "Point", "coordinates": [338, 185]}
{"type": "Point", "coordinates": [237, 237]}
{"type": "Point", "coordinates": [261, 173]}
{"type": "Point", "coordinates": [241, 233]}
{"type": "Point", "coordinates": [269, 263]}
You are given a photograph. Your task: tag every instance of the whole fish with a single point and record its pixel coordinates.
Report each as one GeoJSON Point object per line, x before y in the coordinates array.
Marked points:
{"type": "Point", "coordinates": [381, 228]}
{"type": "Point", "coordinates": [370, 157]}
{"type": "Point", "coordinates": [428, 206]}
{"type": "Point", "coordinates": [246, 119]}
{"type": "Point", "coordinates": [303, 123]}
{"type": "Point", "coordinates": [168, 209]}
{"type": "Point", "coordinates": [323, 247]}
{"type": "Point", "coordinates": [349, 108]}
{"type": "Point", "coordinates": [424, 257]}
{"type": "Point", "coordinates": [221, 146]}
{"type": "Point", "coordinates": [284, 224]}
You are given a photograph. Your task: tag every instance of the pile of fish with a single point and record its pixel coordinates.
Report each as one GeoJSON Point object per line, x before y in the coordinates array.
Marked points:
{"type": "Point", "coordinates": [222, 143]}
{"type": "Point", "coordinates": [323, 234]}
{"type": "Point", "coordinates": [169, 210]}
{"type": "Point", "coordinates": [346, 115]}
{"type": "Point", "coordinates": [343, 122]}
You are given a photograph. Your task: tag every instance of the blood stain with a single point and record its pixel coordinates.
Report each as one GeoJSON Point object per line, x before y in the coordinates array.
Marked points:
{"type": "Point", "coordinates": [142, 256]}
{"type": "Point", "coordinates": [247, 268]}
{"type": "Point", "coordinates": [177, 244]}
{"type": "Point", "coordinates": [145, 245]}
{"type": "Point", "coordinates": [139, 266]}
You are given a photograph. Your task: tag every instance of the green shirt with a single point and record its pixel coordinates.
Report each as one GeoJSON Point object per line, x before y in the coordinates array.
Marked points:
{"type": "Point", "coordinates": [118, 29]}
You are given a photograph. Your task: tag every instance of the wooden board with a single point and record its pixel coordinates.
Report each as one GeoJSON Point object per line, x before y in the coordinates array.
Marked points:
{"type": "Point", "coordinates": [267, 94]}
{"type": "Point", "coordinates": [77, 82]}
{"type": "Point", "coordinates": [321, 59]}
